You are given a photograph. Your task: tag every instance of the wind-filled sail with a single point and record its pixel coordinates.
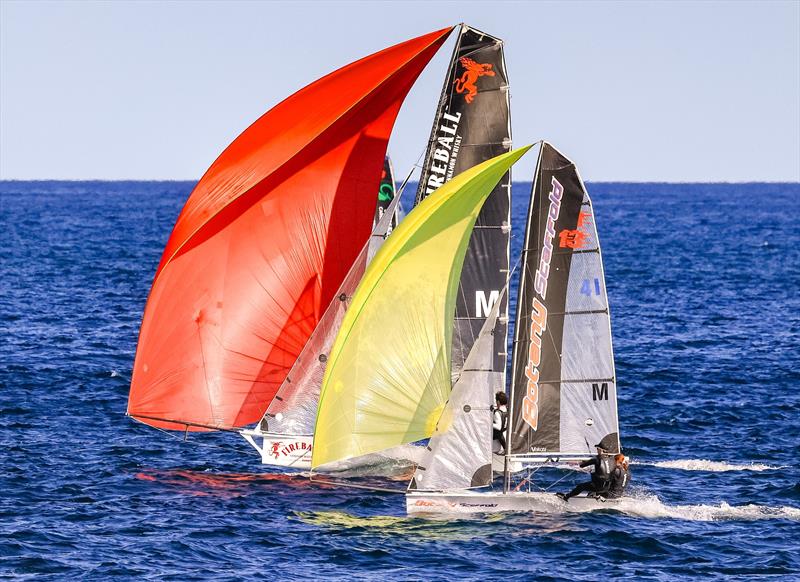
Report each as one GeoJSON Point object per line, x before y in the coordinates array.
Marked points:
{"type": "Point", "coordinates": [472, 125]}
{"type": "Point", "coordinates": [294, 408]}
{"type": "Point", "coordinates": [373, 400]}
{"type": "Point", "coordinates": [263, 244]}
{"type": "Point", "coordinates": [563, 393]}
{"type": "Point", "coordinates": [386, 193]}
{"type": "Point", "coordinates": [460, 451]}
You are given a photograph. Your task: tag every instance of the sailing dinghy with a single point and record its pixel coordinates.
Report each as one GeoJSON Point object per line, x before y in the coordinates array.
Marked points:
{"type": "Point", "coordinates": [563, 389]}
{"type": "Point", "coordinates": [471, 125]}
{"type": "Point", "coordinates": [264, 243]}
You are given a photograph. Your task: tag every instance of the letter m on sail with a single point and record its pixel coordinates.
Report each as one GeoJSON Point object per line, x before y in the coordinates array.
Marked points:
{"type": "Point", "coordinates": [482, 305]}
{"type": "Point", "coordinates": [600, 392]}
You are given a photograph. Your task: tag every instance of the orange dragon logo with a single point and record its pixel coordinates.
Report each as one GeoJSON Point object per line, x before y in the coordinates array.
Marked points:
{"type": "Point", "coordinates": [472, 72]}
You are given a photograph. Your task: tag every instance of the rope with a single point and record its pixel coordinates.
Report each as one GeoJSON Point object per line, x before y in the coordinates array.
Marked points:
{"type": "Point", "coordinates": [354, 486]}
{"type": "Point", "coordinates": [184, 439]}
{"type": "Point", "coordinates": [556, 482]}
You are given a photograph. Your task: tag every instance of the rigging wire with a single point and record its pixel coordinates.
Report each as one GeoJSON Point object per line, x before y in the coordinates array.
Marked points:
{"type": "Point", "coordinates": [185, 439]}
{"type": "Point", "coordinates": [355, 486]}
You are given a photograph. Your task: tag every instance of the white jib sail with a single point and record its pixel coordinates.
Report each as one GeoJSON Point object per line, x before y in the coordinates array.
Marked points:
{"type": "Point", "coordinates": [459, 454]}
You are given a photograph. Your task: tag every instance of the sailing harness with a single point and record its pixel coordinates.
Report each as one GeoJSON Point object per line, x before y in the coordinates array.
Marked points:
{"type": "Point", "coordinates": [503, 418]}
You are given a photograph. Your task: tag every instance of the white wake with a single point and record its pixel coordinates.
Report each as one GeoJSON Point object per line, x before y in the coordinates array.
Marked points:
{"type": "Point", "coordinates": [706, 465]}
{"type": "Point", "coordinates": [653, 507]}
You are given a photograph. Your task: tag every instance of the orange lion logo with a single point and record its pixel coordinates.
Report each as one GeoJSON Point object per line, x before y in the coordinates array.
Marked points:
{"type": "Point", "coordinates": [472, 71]}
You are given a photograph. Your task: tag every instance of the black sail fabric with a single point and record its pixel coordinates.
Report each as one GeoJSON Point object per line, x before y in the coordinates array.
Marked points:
{"type": "Point", "coordinates": [386, 193]}
{"type": "Point", "coordinates": [563, 389]}
{"type": "Point", "coordinates": [472, 125]}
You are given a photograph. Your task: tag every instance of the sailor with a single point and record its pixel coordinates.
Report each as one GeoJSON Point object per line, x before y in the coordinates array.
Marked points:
{"type": "Point", "coordinates": [601, 476]}
{"type": "Point", "coordinates": [500, 420]}
{"type": "Point", "coordinates": [620, 478]}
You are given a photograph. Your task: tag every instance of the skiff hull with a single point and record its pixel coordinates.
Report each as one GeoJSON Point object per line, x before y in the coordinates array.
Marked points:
{"type": "Point", "coordinates": [470, 503]}
{"type": "Point", "coordinates": [281, 450]}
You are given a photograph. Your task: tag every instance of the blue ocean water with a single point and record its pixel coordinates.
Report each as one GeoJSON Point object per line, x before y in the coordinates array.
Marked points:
{"type": "Point", "coordinates": [704, 283]}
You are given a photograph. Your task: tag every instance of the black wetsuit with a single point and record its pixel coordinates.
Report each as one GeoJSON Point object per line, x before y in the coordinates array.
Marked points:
{"type": "Point", "coordinates": [601, 477]}
{"type": "Point", "coordinates": [620, 477]}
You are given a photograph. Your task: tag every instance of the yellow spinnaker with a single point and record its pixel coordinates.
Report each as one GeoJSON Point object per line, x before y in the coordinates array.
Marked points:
{"type": "Point", "coordinates": [374, 398]}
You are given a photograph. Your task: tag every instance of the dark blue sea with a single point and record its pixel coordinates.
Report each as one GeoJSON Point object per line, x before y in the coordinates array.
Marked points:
{"type": "Point", "coordinates": [704, 285]}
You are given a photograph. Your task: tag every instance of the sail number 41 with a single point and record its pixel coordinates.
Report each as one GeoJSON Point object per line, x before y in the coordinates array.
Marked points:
{"type": "Point", "coordinates": [586, 288]}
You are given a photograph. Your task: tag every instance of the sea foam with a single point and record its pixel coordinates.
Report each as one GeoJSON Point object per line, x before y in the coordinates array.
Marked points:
{"type": "Point", "coordinates": [706, 465]}
{"type": "Point", "coordinates": [652, 507]}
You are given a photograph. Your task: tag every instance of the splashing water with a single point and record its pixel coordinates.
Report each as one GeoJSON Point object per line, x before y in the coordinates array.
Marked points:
{"type": "Point", "coordinates": [706, 465]}
{"type": "Point", "coordinates": [652, 507]}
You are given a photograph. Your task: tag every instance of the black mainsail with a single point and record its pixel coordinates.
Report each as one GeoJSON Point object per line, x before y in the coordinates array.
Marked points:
{"type": "Point", "coordinates": [386, 193]}
{"type": "Point", "coordinates": [472, 124]}
{"type": "Point", "coordinates": [563, 391]}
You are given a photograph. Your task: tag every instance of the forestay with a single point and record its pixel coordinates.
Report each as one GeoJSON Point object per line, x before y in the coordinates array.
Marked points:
{"type": "Point", "coordinates": [372, 401]}
{"type": "Point", "coordinates": [563, 394]}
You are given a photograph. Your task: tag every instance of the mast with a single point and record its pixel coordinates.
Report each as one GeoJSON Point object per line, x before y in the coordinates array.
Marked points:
{"type": "Point", "coordinates": [563, 385]}
{"type": "Point", "coordinates": [472, 125]}
{"type": "Point", "coordinates": [523, 269]}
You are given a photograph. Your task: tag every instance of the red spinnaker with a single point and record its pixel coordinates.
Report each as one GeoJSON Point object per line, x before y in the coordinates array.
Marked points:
{"type": "Point", "coordinates": [263, 243]}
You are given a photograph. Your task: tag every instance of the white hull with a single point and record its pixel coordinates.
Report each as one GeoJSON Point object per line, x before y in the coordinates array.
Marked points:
{"type": "Point", "coordinates": [280, 450]}
{"type": "Point", "coordinates": [294, 452]}
{"type": "Point", "coordinates": [468, 502]}
{"type": "Point", "coordinates": [499, 464]}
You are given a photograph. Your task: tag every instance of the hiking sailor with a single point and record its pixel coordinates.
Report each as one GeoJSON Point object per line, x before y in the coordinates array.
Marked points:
{"type": "Point", "coordinates": [620, 477]}
{"type": "Point", "coordinates": [500, 420]}
{"type": "Point", "coordinates": [601, 476]}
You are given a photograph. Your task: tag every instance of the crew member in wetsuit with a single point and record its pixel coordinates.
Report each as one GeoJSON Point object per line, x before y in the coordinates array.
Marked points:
{"type": "Point", "coordinates": [500, 420]}
{"type": "Point", "coordinates": [620, 477]}
{"type": "Point", "coordinates": [601, 477]}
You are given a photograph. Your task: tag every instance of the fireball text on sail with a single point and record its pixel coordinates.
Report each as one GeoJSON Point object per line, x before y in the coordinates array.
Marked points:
{"type": "Point", "coordinates": [442, 154]}
{"type": "Point", "coordinates": [542, 273]}
{"type": "Point", "coordinates": [530, 404]}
